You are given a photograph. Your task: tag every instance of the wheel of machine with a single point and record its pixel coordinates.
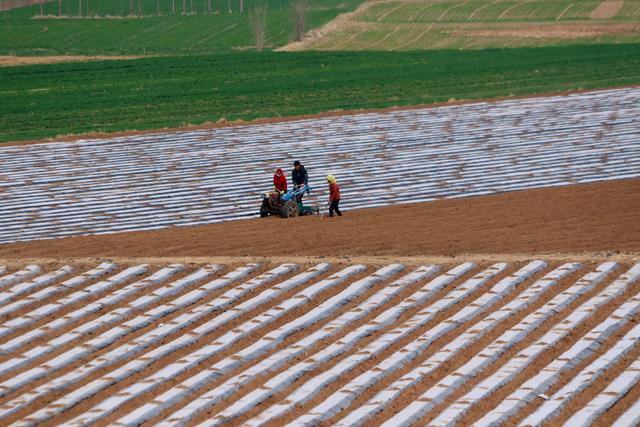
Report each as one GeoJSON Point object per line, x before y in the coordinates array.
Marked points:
{"type": "Point", "coordinates": [264, 209]}
{"type": "Point", "coordinates": [290, 209]}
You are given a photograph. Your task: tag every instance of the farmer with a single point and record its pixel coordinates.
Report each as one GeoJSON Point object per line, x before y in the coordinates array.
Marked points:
{"type": "Point", "coordinates": [299, 174]}
{"type": "Point", "coordinates": [280, 181]}
{"type": "Point", "coordinates": [299, 177]}
{"type": "Point", "coordinates": [334, 196]}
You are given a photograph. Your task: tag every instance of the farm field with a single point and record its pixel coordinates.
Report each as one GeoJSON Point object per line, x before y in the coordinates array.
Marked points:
{"type": "Point", "coordinates": [61, 99]}
{"type": "Point", "coordinates": [486, 270]}
{"type": "Point", "coordinates": [263, 343]}
{"type": "Point", "coordinates": [580, 222]}
{"type": "Point", "coordinates": [107, 32]}
{"type": "Point", "coordinates": [475, 24]}
{"type": "Point", "coordinates": [163, 180]}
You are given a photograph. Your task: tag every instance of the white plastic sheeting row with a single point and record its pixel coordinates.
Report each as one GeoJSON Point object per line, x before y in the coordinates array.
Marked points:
{"type": "Point", "coordinates": [206, 176]}
{"type": "Point", "coordinates": [277, 342]}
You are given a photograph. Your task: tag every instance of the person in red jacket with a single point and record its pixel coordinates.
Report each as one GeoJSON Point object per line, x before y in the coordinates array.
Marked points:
{"type": "Point", "coordinates": [334, 196]}
{"type": "Point", "coordinates": [280, 181]}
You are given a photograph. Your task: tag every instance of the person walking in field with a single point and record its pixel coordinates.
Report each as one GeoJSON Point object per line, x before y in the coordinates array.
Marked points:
{"type": "Point", "coordinates": [280, 181]}
{"type": "Point", "coordinates": [334, 196]}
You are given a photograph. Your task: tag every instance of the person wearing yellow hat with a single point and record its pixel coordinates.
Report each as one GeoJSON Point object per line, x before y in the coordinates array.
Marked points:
{"type": "Point", "coordinates": [334, 196]}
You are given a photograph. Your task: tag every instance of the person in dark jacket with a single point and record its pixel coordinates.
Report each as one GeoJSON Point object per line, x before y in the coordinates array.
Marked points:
{"type": "Point", "coordinates": [299, 176]}
{"type": "Point", "coordinates": [280, 181]}
{"type": "Point", "coordinates": [334, 196]}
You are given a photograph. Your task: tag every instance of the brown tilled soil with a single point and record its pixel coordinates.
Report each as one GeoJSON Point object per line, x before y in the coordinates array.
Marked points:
{"type": "Point", "coordinates": [607, 9]}
{"type": "Point", "coordinates": [12, 61]}
{"type": "Point", "coordinates": [548, 31]}
{"type": "Point", "coordinates": [341, 33]}
{"type": "Point", "coordinates": [600, 217]}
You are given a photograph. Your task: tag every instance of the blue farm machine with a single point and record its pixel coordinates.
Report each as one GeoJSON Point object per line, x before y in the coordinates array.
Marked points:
{"type": "Point", "coordinates": [286, 205]}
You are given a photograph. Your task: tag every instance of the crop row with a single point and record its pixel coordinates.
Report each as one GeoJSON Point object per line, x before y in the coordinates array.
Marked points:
{"type": "Point", "coordinates": [206, 176]}
{"type": "Point", "coordinates": [348, 345]}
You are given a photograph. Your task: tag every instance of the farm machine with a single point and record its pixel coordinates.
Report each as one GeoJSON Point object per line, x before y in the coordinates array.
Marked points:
{"type": "Point", "coordinates": [287, 205]}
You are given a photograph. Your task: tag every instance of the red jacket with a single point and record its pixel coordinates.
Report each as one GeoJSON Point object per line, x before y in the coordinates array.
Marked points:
{"type": "Point", "coordinates": [334, 192]}
{"type": "Point", "coordinates": [280, 182]}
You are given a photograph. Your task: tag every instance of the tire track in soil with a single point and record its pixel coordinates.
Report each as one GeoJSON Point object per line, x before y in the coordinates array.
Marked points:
{"type": "Point", "coordinates": [547, 356]}
{"type": "Point", "coordinates": [372, 362]}
{"type": "Point", "coordinates": [324, 342]}
{"type": "Point", "coordinates": [263, 379]}
{"type": "Point", "coordinates": [183, 351]}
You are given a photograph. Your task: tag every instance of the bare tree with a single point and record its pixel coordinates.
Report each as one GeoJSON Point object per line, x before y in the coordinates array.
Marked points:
{"type": "Point", "coordinates": [209, 6]}
{"type": "Point", "coordinates": [229, 5]}
{"type": "Point", "coordinates": [158, 7]}
{"type": "Point", "coordinates": [79, 7]}
{"type": "Point", "coordinates": [258, 20]}
{"type": "Point", "coordinates": [59, 7]}
{"type": "Point", "coordinates": [191, 6]}
{"type": "Point", "coordinates": [184, 7]}
{"type": "Point", "coordinates": [173, 7]}
{"type": "Point", "coordinates": [131, 9]}
{"type": "Point", "coordinates": [241, 6]}
{"type": "Point", "coordinates": [139, 8]}
{"type": "Point", "coordinates": [299, 13]}
{"type": "Point", "coordinates": [41, 7]}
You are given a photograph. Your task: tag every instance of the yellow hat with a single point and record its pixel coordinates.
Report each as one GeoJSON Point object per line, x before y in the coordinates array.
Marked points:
{"type": "Point", "coordinates": [331, 179]}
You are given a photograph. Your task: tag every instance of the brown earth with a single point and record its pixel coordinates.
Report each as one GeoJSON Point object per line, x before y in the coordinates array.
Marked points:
{"type": "Point", "coordinates": [548, 31]}
{"type": "Point", "coordinates": [595, 218]}
{"type": "Point", "coordinates": [342, 32]}
{"type": "Point", "coordinates": [607, 9]}
{"type": "Point", "coordinates": [13, 61]}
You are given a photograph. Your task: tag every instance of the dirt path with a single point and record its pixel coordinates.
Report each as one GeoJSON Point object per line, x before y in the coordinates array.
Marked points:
{"type": "Point", "coordinates": [601, 217]}
{"type": "Point", "coordinates": [13, 61]}
{"type": "Point", "coordinates": [607, 9]}
{"type": "Point", "coordinates": [332, 26]}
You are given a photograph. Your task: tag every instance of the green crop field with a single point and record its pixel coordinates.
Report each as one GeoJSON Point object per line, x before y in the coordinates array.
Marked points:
{"type": "Point", "coordinates": [57, 99]}
{"type": "Point", "coordinates": [106, 31]}
{"type": "Point", "coordinates": [474, 24]}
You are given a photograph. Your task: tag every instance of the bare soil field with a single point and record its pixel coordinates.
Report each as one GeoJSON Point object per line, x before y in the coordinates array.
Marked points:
{"type": "Point", "coordinates": [410, 24]}
{"type": "Point", "coordinates": [598, 217]}
{"type": "Point", "coordinates": [13, 61]}
{"type": "Point", "coordinates": [607, 9]}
